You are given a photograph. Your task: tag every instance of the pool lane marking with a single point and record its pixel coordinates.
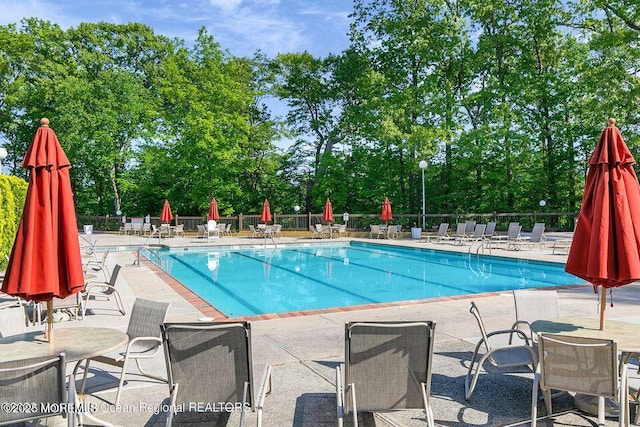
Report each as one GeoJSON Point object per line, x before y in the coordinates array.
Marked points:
{"type": "Point", "coordinates": [224, 289]}
{"type": "Point", "coordinates": [313, 279]}
{"type": "Point", "coordinates": [506, 275]}
{"type": "Point", "coordinates": [380, 270]}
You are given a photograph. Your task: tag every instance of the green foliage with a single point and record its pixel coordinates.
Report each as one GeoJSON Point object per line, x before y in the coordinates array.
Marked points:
{"type": "Point", "coordinates": [504, 99]}
{"type": "Point", "coordinates": [13, 191]}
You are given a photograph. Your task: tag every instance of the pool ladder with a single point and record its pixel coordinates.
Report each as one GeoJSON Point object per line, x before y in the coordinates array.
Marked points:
{"type": "Point", "coordinates": [479, 246]}
{"type": "Point", "coordinates": [140, 249]}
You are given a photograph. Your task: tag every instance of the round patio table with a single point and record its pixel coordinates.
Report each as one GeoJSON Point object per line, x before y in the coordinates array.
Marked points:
{"type": "Point", "coordinates": [77, 343]}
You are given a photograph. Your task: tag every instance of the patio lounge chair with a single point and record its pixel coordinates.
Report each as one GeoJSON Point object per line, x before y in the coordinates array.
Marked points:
{"type": "Point", "coordinates": [211, 363]}
{"type": "Point", "coordinates": [511, 240]}
{"type": "Point", "coordinates": [532, 306]}
{"type": "Point", "coordinates": [387, 367]}
{"type": "Point", "coordinates": [201, 231]}
{"type": "Point", "coordinates": [476, 236]}
{"type": "Point", "coordinates": [104, 290]}
{"type": "Point", "coordinates": [144, 341]}
{"type": "Point", "coordinates": [460, 233]}
{"type": "Point", "coordinates": [581, 365]}
{"type": "Point", "coordinates": [537, 236]}
{"type": "Point", "coordinates": [442, 234]}
{"type": "Point", "coordinates": [36, 383]}
{"type": "Point", "coordinates": [509, 356]}
{"type": "Point", "coordinates": [490, 230]}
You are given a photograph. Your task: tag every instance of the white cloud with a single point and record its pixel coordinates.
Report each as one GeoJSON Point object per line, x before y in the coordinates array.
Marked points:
{"type": "Point", "coordinates": [226, 6]}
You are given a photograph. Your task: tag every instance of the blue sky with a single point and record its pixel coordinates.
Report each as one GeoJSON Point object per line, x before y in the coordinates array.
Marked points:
{"type": "Point", "coordinates": [241, 26]}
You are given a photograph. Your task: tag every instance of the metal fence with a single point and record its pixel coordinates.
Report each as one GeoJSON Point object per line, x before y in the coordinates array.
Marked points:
{"type": "Point", "coordinates": [554, 221]}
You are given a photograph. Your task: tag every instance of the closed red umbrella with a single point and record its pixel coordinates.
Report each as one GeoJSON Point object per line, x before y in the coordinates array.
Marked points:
{"type": "Point", "coordinates": [606, 244]}
{"type": "Point", "coordinates": [386, 210]}
{"type": "Point", "coordinates": [327, 214]}
{"type": "Point", "coordinates": [166, 216]}
{"type": "Point", "coordinates": [213, 211]}
{"type": "Point", "coordinates": [266, 212]}
{"type": "Point", "coordinates": [45, 260]}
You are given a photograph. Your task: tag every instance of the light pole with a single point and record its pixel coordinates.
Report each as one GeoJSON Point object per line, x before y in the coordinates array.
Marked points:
{"type": "Point", "coordinates": [423, 166]}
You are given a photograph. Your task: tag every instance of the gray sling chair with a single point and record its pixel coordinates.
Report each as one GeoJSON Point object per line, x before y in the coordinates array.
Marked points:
{"type": "Point", "coordinates": [35, 385]}
{"type": "Point", "coordinates": [144, 341]}
{"type": "Point", "coordinates": [106, 290]}
{"type": "Point", "coordinates": [534, 305]}
{"type": "Point", "coordinates": [504, 356]}
{"type": "Point", "coordinates": [211, 363]}
{"type": "Point", "coordinates": [387, 367]}
{"type": "Point", "coordinates": [582, 365]}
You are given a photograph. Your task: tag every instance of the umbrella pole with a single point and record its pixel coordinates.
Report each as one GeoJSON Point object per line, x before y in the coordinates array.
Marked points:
{"type": "Point", "coordinates": [50, 321]}
{"type": "Point", "coordinates": [603, 306]}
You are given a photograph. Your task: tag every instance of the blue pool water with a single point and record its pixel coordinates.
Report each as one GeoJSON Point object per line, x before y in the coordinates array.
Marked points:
{"type": "Point", "coordinates": [245, 282]}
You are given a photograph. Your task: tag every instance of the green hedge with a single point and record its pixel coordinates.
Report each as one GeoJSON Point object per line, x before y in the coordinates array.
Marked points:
{"type": "Point", "coordinates": [13, 191]}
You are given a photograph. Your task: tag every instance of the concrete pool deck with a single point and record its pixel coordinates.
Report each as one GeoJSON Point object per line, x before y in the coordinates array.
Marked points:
{"type": "Point", "coordinates": [304, 349]}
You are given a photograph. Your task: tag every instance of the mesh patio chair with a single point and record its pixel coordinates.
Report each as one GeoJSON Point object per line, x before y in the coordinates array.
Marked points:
{"type": "Point", "coordinates": [532, 306]}
{"type": "Point", "coordinates": [104, 290]}
{"type": "Point", "coordinates": [94, 265]}
{"type": "Point", "coordinates": [178, 231]}
{"type": "Point", "coordinates": [509, 356]}
{"type": "Point", "coordinates": [211, 363]}
{"type": "Point", "coordinates": [212, 230]}
{"type": "Point", "coordinates": [38, 384]}
{"type": "Point", "coordinates": [13, 319]}
{"type": "Point", "coordinates": [582, 365]}
{"type": "Point", "coordinates": [144, 341]}
{"type": "Point", "coordinates": [387, 367]}
{"type": "Point", "coordinates": [68, 308]}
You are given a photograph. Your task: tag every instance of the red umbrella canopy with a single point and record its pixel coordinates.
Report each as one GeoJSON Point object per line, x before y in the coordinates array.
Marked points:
{"type": "Point", "coordinates": [213, 210]}
{"type": "Point", "coordinates": [45, 261]}
{"type": "Point", "coordinates": [266, 212]}
{"type": "Point", "coordinates": [327, 214]}
{"type": "Point", "coordinates": [386, 210]}
{"type": "Point", "coordinates": [166, 215]}
{"type": "Point", "coordinates": [606, 243]}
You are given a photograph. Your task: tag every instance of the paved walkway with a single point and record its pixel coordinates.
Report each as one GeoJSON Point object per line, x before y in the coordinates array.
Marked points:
{"type": "Point", "coordinates": [304, 350]}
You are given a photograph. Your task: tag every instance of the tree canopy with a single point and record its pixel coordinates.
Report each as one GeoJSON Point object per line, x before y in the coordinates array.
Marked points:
{"type": "Point", "coordinates": [505, 100]}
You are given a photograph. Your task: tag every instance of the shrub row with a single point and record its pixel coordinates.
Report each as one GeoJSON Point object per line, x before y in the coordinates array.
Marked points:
{"type": "Point", "coordinates": [13, 192]}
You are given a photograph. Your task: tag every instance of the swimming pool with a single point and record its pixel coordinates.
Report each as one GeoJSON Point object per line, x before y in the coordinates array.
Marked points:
{"type": "Point", "coordinates": [260, 280]}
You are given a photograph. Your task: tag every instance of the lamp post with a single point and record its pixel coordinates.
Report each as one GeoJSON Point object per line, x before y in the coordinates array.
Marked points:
{"type": "Point", "coordinates": [542, 204]}
{"type": "Point", "coordinates": [423, 166]}
{"type": "Point", "coordinates": [296, 208]}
